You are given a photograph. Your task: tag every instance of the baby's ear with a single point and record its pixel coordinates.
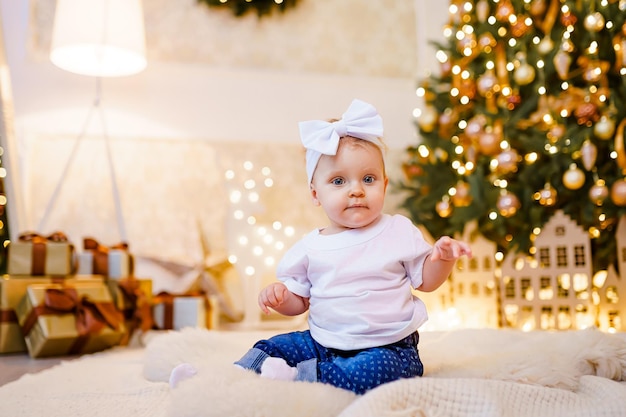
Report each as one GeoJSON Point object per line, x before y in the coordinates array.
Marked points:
{"type": "Point", "coordinates": [316, 202]}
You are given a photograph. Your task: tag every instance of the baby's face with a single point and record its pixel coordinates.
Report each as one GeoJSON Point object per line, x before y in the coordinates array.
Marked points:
{"type": "Point", "coordinates": [351, 185]}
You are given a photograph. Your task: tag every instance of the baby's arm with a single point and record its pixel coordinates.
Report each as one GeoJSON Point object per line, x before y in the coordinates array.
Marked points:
{"type": "Point", "coordinates": [440, 262]}
{"type": "Point", "coordinates": [279, 298]}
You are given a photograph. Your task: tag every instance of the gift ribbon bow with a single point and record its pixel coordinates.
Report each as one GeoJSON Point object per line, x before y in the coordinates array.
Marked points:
{"type": "Point", "coordinates": [39, 242]}
{"type": "Point", "coordinates": [37, 238]}
{"type": "Point", "coordinates": [100, 262]}
{"type": "Point", "coordinates": [91, 316]}
{"type": "Point", "coordinates": [319, 137]}
{"type": "Point", "coordinates": [140, 311]}
{"type": "Point", "coordinates": [90, 243]}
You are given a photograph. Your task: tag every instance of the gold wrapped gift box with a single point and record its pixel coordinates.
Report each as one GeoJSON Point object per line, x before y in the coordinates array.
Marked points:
{"type": "Point", "coordinates": [33, 254]}
{"type": "Point", "coordinates": [12, 290]}
{"type": "Point", "coordinates": [133, 297]}
{"type": "Point", "coordinates": [69, 319]}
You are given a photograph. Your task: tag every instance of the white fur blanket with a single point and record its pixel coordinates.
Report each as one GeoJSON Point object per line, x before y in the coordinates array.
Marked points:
{"type": "Point", "coordinates": [467, 373]}
{"type": "Point", "coordinates": [478, 373]}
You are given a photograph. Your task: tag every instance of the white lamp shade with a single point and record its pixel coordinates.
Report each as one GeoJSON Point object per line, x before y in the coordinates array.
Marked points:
{"type": "Point", "coordinates": [103, 38]}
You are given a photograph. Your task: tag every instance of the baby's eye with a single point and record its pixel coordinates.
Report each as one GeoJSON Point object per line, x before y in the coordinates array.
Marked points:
{"type": "Point", "coordinates": [368, 179]}
{"type": "Point", "coordinates": [337, 181]}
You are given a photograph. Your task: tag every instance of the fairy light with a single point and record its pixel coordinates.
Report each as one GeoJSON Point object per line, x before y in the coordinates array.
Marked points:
{"type": "Point", "coordinates": [256, 244]}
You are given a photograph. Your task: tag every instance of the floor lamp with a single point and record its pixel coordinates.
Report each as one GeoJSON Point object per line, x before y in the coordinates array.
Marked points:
{"type": "Point", "coordinates": [98, 38]}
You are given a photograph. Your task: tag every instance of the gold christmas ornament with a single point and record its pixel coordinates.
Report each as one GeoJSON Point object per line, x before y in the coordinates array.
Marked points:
{"type": "Point", "coordinates": [489, 143]}
{"type": "Point", "coordinates": [604, 128]}
{"type": "Point", "coordinates": [507, 204]}
{"type": "Point", "coordinates": [475, 126]}
{"type": "Point", "coordinates": [595, 70]}
{"type": "Point", "coordinates": [598, 192]}
{"type": "Point", "coordinates": [486, 82]}
{"type": "Point", "coordinates": [589, 153]}
{"type": "Point", "coordinates": [586, 114]}
{"type": "Point", "coordinates": [482, 10]}
{"type": "Point", "coordinates": [447, 123]}
{"type": "Point", "coordinates": [568, 19]}
{"type": "Point", "coordinates": [555, 133]}
{"type": "Point", "coordinates": [524, 74]}
{"type": "Point", "coordinates": [428, 119]}
{"type": "Point", "coordinates": [618, 193]}
{"type": "Point", "coordinates": [546, 196]}
{"type": "Point", "coordinates": [443, 208]}
{"type": "Point", "coordinates": [545, 46]}
{"type": "Point", "coordinates": [538, 7]}
{"type": "Point", "coordinates": [594, 22]}
{"type": "Point", "coordinates": [462, 197]}
{"type": "Point", "coordinates": [504, 10]}
{"type": "Point", "coordinates": [411, 171]}
{"type": "Point", "coordinates": [573, 178]}
{"type": "Point", "coordinates": [513, 100]}
{"type": "Point", "coordinates": [507, 161]}
{"type": "Point", "coordinates": [562, 61]}
{"type": "Point", "coordinates": [486, 42]}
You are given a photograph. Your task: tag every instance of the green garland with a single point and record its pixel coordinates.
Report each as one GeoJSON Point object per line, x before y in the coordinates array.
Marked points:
{"type": "Point", "coordinates": [241, 7]}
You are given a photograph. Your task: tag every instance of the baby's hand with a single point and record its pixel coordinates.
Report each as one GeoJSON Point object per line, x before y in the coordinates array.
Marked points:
{"type": "Point", "coordinates": [448, 249]}
{"type": "Point", "coordinates": [272, 296]}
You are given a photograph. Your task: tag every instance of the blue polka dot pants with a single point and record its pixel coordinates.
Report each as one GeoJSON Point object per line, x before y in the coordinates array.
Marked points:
{"type": "Point", "coordinates": [356, 370]}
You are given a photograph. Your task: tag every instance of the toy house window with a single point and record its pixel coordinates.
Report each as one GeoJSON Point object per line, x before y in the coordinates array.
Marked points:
{"type": "Point", "coordinates": [581, 316]}
{"type": "Point", "coordinates": [611, 295]}
{"type": "Point", "coordinates": [579, 255]}
{"type": "Point", "coordinates": [473, 264]}
{"type": "Point", "coordinates": [580, 284]}
{"type": "Point", "coordinates": [544, 257]}
{"type": "Point", "coordinates": [545, 288]}
{"type": "Point", "coordinates": [489, 289]}
{"type": "Point", "coordinates": [509, 288]}
{"type": "Point", "coordinates": [564, 318]}
{"type": "Point", "coordinates": [460, 288]}
{"type": "Point", "coordinates": [474, 289]}
{"type": "Point", "coordinates": [563, 285]}
{"type": "Point", "coordinates": [511, 312]}
{"type": "Point", "coordinates": [527, 289]}
{"type": "Point", "coordinates": [487, 263]}
{"type": "Point", "coordinates": [547, 318]}
{"type": "Point", "coordinates": [561, 256]}
{"type": "Point", "coordinates": [459, 265]}
{"type": "Point", "coordinates": [527, 318]}
{"type": "Point", "coordinates": [559, 231]}
{"type": "Point", "coordinates": [614, 320]}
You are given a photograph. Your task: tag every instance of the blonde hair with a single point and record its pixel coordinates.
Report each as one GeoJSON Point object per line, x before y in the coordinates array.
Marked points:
{"type": "Point", "coordinates": [352, 141]}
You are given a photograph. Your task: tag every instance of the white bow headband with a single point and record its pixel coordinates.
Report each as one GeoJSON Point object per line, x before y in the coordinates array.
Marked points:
{"type": "Point", "coordinates": [361, 121]}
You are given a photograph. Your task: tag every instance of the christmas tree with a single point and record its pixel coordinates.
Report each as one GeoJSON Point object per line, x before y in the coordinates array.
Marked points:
{"type": "Point", "coordinates": [525, 117]}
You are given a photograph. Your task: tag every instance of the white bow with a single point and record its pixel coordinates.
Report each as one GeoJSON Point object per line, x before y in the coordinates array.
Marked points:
{"type": "Point", "coordinates": [361, 121]}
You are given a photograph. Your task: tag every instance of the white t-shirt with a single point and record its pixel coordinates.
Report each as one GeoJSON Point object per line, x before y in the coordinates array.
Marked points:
{"type": "Point", "coordinates": [359, 282]}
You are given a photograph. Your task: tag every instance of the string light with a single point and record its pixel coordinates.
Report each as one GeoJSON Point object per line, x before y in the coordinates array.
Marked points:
{"type": "Point", "coordinates": [258, 244]}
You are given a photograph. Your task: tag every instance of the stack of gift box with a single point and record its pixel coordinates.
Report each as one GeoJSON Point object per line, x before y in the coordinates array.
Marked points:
{"type": "Point", "coordinates": [56, 300]}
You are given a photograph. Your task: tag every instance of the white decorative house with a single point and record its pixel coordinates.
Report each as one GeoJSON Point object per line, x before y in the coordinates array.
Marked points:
{"type": "Point", "coordinates": [611, 311]}
{"type": "Point", "coordinates": [552, 289]}
{"type": "Point", "coordinates": [611, 292]}
{"type": "Point", "coordinates": [474, 290]}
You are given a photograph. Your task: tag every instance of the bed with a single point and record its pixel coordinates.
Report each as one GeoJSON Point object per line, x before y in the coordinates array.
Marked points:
{"type": "Point", "coordinates": [467, 373]}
